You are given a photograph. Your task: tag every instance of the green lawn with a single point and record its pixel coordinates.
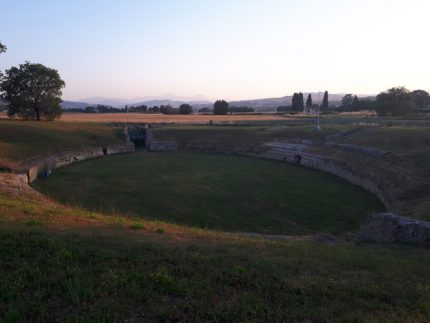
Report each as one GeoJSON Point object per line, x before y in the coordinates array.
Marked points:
{"type": "Point", "coordinates": [214, 191]}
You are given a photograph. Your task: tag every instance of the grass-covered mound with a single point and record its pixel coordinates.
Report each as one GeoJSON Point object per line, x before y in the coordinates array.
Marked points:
{"type": "Point", "coordinates": [214, 191]}
{"type": "Point", "coordinates": [237, 135]}
{"type": "Point", "coordinates": [60, 264]}
{"type": "Point", "coordinates": [20, 140]}
{"type": "Point", "coordinates": [412, 143]}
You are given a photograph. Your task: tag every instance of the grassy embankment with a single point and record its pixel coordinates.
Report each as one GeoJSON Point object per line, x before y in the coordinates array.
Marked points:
{"type": "Point", "coordinates": [245, 134]}
{"type": "Point", "coordinates": [219, 192]}
{"type": "Point", "coordinates": [410, 142]}
{"type": "Point", "coordinates": [61, 264]}
{"type": "Point", "coordinates": [20, 140]}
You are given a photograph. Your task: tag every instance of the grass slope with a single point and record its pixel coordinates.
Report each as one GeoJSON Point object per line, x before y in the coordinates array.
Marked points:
{"type": "Point", "coordinates": [241, 134]}
{"type": "Point", "coordinates": [214, 191]}
{"type": "Point", "coordinates": [61, 264]}
{"type": "Point", "coordinates": [411, 142]}
{"type": "Point", "coordinates": [24, 139]}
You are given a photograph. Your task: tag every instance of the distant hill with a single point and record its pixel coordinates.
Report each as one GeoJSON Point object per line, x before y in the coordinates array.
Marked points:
{"type": "Point", "coordinates": [165, 99]}
{"type": "Point", "coordinates": [113, 102]}
{"type": "Point", "coordinates": [260, 105]}
{"type": "Point", "coordinates": [74, 105]}
{"type": "Point", "coordinates": [173, 103]}
{"type": "Point", "coordinates": [273, 103]}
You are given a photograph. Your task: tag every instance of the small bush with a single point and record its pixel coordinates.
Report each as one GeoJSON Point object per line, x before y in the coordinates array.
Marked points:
{"type": "Point", "coordinates": [33, 222]}
{"type": "Point", "coordinates": [137, 226]}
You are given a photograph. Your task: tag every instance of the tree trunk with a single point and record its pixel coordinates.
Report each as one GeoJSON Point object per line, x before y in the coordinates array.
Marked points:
{"type": "Point", "coordinates": [37, 114]}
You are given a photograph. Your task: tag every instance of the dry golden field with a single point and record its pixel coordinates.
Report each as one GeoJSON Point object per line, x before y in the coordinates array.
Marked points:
{"type": "Point", "coordinates": [158, 118]}
{"type": "Point", "coordinates": [162, 118]}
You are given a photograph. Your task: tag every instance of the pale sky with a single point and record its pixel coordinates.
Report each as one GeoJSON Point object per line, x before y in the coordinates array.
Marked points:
{"type": "Point", "coordinates": [231, 49]}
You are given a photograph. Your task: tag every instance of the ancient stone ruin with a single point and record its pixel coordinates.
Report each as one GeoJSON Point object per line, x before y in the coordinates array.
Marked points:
{"type": "Point", "coordinates": [388, 227]}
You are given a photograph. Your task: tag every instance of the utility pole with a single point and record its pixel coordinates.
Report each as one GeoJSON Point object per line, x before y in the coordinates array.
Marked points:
{"type": "Point", "coordinates": [318, 113]}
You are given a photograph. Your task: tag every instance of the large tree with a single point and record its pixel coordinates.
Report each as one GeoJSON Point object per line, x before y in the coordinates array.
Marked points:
{"type": "Point", "coordinates": [396, 101]}
{"type": "Point", "coordinates": [185, 109]}
{"type": "Point", "coordinates": [33, 91]}
{"type": "Point", "coordinates": [220, 107]}
{"type": "Point", "coordinates": [347, 102]}
{"type": "Point", "coordinates": [421, 98]}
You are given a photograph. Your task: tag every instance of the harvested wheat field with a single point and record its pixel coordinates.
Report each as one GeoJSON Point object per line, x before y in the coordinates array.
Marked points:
{"type": "Point", "coordinates": [162, 118]}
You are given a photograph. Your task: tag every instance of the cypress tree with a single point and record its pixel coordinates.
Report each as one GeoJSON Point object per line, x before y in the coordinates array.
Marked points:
{"type": "Point", "coordinates": [355, 103]}
{"type": "Point", "coordinates": [301, 102]}
{"type": "Point", "coordinates": [309, 102]}
{"type": "Point", "coordinates": [325, 101]}
{"type": "Point", "coordinates": [294, 102]}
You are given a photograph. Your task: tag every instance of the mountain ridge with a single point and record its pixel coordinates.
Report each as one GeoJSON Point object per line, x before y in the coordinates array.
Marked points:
{"type": "Point", "coordinates": [262, 104]}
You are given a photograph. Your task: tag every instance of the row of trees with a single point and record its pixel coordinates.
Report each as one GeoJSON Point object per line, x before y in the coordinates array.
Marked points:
{"type": "Point", "coordinates": [222, 107]}
{"type": "Point", "coordinates": [351, 103]}
{"type": "Point", "coordinates": [165, 109]}
{"type": "Point", "coordinates": [298, 104]}
{"type": "Point", "coordinates": [396, 101]}
{"type": "Point", "coordinates": [399, 101]}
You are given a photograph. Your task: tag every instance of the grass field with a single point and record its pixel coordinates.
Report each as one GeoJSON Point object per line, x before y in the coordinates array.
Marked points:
{"type": "Point", "coordinates": [24, 139]}
{"type": "Point", "coordinates": [68, 265]}
{"type": "Point", "coordinates": [214, 191]}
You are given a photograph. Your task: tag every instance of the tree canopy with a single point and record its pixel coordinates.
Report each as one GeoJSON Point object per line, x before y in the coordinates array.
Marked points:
{"type": "Point", "coordinates": [185, 109]}
{"type": "Point", "coordinates": [298, 103]}
{"type": "Point", "coordinates": [3, 48]}
{"type": "Point", "coordinates": [33, 91]}
{"type": "Point", "coordinates": [168, 109]}
{"type": "Point", "coordinates": [220, 107]}
{"type": "Point", "coordinates": [396, 101]}
{"type": "Point", "coordinates": [347, 102]}
{"type": "Point", "coordinates": [421, 98]}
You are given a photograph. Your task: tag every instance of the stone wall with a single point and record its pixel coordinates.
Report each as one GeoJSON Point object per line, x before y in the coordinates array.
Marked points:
{"type": "Point", "coordinates": [13, 182]}
{"type": "Point", "coordinates": [368, 151]}
{"type": "Point", "coordinates": [351, 173]}
{"type": "Point", "coordinates": [153, 144]}
{"type": "Point", "coordinates": [156, 145]}
{"type": "Point", "coordinates": [119, 149]}
{"type": "Point", "coordinates": [43, 166]}
{"type": "Point", "coordinates": [388, 228]}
